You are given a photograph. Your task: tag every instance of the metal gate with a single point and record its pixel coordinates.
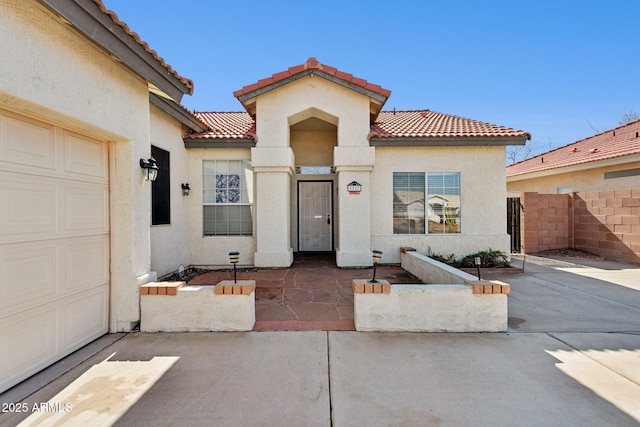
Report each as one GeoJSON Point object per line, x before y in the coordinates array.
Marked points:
{"type": "Point", "coordinates": [513, 222]}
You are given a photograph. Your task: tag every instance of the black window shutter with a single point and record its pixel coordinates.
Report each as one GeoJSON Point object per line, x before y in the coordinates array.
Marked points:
{"type": "Point", "coordinates": [161, 189]}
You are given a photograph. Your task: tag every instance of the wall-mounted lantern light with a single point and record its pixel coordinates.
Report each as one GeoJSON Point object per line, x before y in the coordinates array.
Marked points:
{"type": "Point", "coordinates": [150, 167]}
{"type": "Point", "coordinates": [376, 258]}
{"type": "Point", "coordinates": [234, 257]}
{"type": "Point", "coordinates": [185, 189]}
{"type": "Point", "coordinates": [478, 262]}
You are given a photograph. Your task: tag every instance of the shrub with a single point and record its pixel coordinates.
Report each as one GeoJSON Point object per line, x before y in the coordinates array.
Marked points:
{"type": "Point", "coordinates": [489, 259]}
{"type": "Point", "coordinates": [448, 259]}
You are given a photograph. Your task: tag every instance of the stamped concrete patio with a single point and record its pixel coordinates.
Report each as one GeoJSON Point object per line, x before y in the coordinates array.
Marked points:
{"type": "Point", "coordinates": [313, 294]}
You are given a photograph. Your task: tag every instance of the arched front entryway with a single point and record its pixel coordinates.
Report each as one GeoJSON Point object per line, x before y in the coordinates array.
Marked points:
{"type": "Point", "coordinates": [313, 135]}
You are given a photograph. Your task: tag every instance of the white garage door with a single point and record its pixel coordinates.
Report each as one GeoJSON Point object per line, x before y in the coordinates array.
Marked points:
{"type": "Point", "coordinates": [54, 244]}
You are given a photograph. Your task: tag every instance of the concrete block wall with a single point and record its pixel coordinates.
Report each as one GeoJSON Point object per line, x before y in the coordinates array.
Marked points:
{"type": "Point", "coordinates": [607, 223]}
{"type": "Point", "coordinates": [548, 222]}
{"type": "Point", "coordinates": [604, 223]}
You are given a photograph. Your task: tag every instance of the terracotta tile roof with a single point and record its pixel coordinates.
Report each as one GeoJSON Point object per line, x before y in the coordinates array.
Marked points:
{"type": "Point", "coordinates": [431, 124]}
{"type": "Point", "coordinates": [390, 124]}
{"type": "Point", "coordinates": [226, 125]}
{"type": "Point", "coordinates": [621, 141]}
{"type": "Point", "coordinates": [186, 82]}
{"type": "Point", "coordinates": [312, 64]}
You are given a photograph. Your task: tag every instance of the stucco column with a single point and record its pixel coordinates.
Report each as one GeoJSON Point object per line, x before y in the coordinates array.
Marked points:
{"type": "Point", "coordinates": [130, 232]}
{"type": "Point", "coordinates": [354, 228]}
{"type": "Point", "coordinates": [272, 167]}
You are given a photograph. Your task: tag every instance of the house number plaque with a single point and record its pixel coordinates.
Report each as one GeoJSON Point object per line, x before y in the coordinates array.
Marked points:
{"type": "Point", "coordinates": [354, 187]}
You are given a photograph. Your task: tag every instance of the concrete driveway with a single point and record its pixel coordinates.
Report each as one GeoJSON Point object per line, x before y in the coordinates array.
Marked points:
{"type": "Point", "coordinates": [571, 357]}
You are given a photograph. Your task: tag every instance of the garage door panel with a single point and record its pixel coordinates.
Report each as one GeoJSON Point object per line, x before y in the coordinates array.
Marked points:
{"type": "Point", "coordinates": [85, 317]}
{"type": "Point", "coordinates": [27, 142]}
{"type": "Point", "coordinates": [86, 208]}
{"type": "Point", "coordinates": [33, 341]}
{"type": "Point", "coordinates": [84, 156]}
{"type": "Point", "coordinates": [31, 210]}
{"type": "Point", "coordinates": [28, 206]}
{"type": "Point", "coordinates": [86, 263]}
{"type": "Point", "coordinates": [54, 244]}
{"type": "Point", "coordinates": [28, 274]}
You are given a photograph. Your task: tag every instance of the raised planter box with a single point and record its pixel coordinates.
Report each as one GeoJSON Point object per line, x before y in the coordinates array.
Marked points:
{"type": "Point", "coordinates": [172, 307]}
{"type": "Point", "coordinates": [453, 301]}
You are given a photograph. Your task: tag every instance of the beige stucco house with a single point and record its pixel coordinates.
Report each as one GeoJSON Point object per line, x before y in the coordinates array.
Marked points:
{"type": "Point", "coordinates": [312, 133]}
{"type": "Point", "coordinates": [312, 163]}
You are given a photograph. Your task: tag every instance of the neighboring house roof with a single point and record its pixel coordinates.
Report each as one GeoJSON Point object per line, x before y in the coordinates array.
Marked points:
{"type": "Point", "coordinates": [420, 124]}
{"type": "Point", "coordinates": [621, 141]}
{"type": "Point", "coordinates": [394, 127]}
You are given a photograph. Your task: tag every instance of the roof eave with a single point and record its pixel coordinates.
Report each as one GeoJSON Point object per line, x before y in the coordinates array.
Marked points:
{"type": "Point", "coordinates": [174, 110]}
{"type": "Point", "coordinates": [87, 18]}
{"type": "Point", "coordinates": [446, 141]}
{"type": "Point", "coordinates": [593, 164]}
{"type": "Point", "coordinates": [218, 143]}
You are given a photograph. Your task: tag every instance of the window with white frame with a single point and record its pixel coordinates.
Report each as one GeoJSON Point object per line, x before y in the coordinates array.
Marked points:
{"type": "Point", "coordinates": [227, 198]}
{"type": "Point", "coordinates": [437, 213]}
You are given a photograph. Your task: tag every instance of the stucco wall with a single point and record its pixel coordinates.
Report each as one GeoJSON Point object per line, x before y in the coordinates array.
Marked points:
{"type": "Point", "coordinates": [313, 148]}
{"type": "Point", "coordinates": [56, 75]}
{"type": "Point", "coordinates": [274, 108]}
{"type": "Point", "coordinates": [214, 250]}
{"type": "Point", "coordinates": [584, 180]}
{"type": "Point", "coordinates": [170, 242]}
{"type": "Point", "coordinates": [483, 207]}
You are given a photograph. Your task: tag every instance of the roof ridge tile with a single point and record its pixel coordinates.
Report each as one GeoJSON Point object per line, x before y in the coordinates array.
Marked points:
{"type": "Point", "coordinates": [312, 64]}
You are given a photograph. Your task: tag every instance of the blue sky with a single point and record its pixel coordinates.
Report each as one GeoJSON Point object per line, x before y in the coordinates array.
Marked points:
{"type": "Point", "coordinates": [557, 69]}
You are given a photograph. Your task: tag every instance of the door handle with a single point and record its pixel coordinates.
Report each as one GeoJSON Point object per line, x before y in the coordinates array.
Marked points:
{"type": "Point", "coordinates": [328, 219]}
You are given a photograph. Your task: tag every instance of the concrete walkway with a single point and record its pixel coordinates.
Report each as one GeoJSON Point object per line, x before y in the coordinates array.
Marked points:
{"type": "Point", "coordinates": [571, 358]}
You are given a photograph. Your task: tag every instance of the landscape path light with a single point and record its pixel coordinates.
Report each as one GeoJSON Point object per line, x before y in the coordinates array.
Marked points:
{"type": "Point", "coordinates": [234, 257]}
{"type": "Point", "coordinates": [478, 262]}
{"type": "Point", "coordinates": [376, 258]}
